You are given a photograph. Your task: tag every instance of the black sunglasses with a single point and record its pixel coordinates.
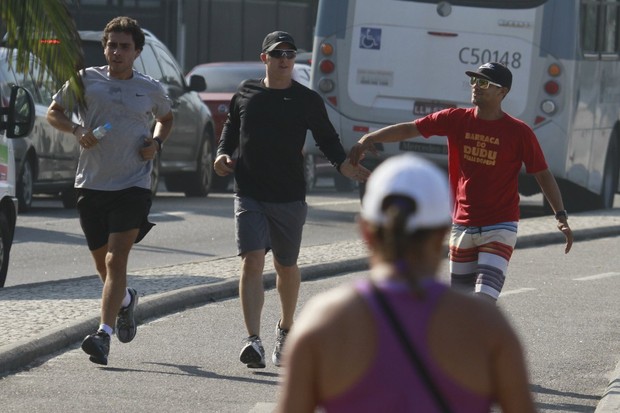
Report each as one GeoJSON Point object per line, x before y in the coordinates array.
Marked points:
{"type": "Point", "coordinates": [280, 53]}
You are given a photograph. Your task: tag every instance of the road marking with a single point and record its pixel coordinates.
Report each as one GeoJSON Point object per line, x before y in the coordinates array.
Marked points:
{"type": "Point", "coordinates": [327, 203]}
{"type": "Point", "coordinates": [167, 214]}
{"type": "Point", "coordinates": [517, 291]}
{"type": "Point", "coordinates": [598, 276]}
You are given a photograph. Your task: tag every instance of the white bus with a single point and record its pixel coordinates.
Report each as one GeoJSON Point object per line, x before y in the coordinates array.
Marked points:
{"type": "Point", "coordinates": [379, 62]}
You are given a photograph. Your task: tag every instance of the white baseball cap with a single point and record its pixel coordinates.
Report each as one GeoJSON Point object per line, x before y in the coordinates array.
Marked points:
{"type": "Point", "coordinates": [413, 177]}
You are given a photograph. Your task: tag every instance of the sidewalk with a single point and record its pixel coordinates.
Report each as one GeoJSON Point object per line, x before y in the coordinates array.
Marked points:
{"type": "Point", "coordinates": [39, 319]}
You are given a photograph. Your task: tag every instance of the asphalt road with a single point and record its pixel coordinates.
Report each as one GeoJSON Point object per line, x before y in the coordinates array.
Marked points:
{"type": "Point", "coordinates": [187, 230]}
{"type": "Point", "coordinates": [564, 308]}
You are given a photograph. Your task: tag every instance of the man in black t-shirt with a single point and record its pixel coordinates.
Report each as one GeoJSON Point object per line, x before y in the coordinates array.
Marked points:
{"type": "Point", "coordinates": [267, 125]}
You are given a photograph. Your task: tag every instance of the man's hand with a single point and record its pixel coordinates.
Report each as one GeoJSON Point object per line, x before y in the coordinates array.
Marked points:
{"type": "Point", "coordinates": [358, 150]}
{"type": "Point", "coordinates": [223, 165]}
{"type": "Point", "coordinates": [568, 234]}
{"type": "Point", "coordinates": [357, 173]}
{"type": "Point", "coordinates": [149, 149]}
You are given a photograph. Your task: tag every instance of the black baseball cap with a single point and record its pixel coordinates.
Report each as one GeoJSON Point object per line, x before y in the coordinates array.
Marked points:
{"type": "Point", "coordinates": [273, 39]}
{"type": "Point", "coordinates": [495, 72]}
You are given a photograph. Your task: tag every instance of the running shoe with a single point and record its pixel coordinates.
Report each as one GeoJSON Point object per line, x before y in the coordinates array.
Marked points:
{"type": "Point", "coordinates": [252, 353]}
{"type": "Point", "coordinates": [97, 346]}
{"type": "Point", "coordinates": [276, 357]}
{"type": "Point", "coordinates": [126, 327]}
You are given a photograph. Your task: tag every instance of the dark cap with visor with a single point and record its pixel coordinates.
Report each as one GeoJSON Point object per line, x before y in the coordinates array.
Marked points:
{"type": "Point", "coordinates": [494, 72]}
{"type": "Point", "coordinates": [273, 39]}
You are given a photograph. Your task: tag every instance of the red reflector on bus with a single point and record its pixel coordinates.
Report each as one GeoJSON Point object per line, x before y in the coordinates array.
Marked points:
{"type": "Point", "coordinates": [364, 129]}
{"type": "Point", "coordinates": [554, 70]}
{"type": "Point", "coordinates": [333, 100]}
{"type": "Point", "coordinates": [327, 49]}
{"type": "Point", "coordinates": [539, 119]}
{"type": "Point", "coordinates": [326, 66]}
{"type": "Point", "coordinates": [49, 41]}
{"type": "Point", "coordinates": [552, 87]}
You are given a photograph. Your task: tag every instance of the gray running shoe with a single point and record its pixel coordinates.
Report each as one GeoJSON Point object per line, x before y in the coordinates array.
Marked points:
{"type": "Point", "coordinates": [281, 334]}
{"type": "Point", "coordinates": [126, 327]}
{"type": "Point", "coordinates": [97, 345]}
{"type": "Point", "coordinates": [252, 353]}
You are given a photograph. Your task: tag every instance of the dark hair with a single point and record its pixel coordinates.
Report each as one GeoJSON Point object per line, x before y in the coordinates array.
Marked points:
{"type": "Point", "coordinates": [124, 24]}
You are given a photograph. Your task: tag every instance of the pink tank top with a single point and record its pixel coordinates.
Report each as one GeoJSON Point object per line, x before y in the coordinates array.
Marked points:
{"type": "Point", "coordinates": [391, 383]}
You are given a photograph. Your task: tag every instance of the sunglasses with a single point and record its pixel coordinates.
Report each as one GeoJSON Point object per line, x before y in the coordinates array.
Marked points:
{"type": "Point", "coordinates": [482, 83]}
{"type": "Point", "coordinates": [280, 53]}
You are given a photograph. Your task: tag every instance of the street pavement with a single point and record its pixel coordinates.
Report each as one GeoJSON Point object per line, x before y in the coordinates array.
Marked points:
{"type": "Point", "coordinates": [37, 320]}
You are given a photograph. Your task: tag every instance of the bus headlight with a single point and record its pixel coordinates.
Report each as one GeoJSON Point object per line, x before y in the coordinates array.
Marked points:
{"type": "Point", "coordinates": [326, 85]}
{"type": "Point", "coordinates": [548, 106]}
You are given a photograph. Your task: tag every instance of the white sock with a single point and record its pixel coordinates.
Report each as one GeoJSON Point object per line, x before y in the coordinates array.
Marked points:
{"type": "Point", "coordinates": [109, 330]}
{"type": "Point", "coordinates": [126, 300]}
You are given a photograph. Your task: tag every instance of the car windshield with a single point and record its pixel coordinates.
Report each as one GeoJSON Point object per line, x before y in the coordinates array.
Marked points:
{"type": "Point", "coordinates": [226, 79]}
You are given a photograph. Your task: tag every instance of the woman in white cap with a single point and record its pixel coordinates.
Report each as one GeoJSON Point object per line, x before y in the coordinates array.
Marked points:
{"type": "Point", "coordinates": [402, 341]}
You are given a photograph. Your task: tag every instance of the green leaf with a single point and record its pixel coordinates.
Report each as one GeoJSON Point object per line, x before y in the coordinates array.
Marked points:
{"type": "Point", "coordinates": [46, 29]}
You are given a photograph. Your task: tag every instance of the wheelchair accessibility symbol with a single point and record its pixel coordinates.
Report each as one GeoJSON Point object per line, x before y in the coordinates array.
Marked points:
{"type": "Point", "coordinates": [370, 38]}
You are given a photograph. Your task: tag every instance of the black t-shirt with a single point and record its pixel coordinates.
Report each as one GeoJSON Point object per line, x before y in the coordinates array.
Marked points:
{"type": "Point", "coordinates": [268, 127]}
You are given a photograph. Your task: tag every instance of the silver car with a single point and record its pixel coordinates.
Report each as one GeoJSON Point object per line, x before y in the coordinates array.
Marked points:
{"type": "Point", "coordinates": [46, 159]}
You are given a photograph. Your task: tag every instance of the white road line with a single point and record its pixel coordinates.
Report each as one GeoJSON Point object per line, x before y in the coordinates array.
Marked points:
{"type": "Point", "coordinates": [166, 214]}
{"type": "Point", "coordinates": [327, 203]}
{"type": "Point", "coordinates": [598, 276]}
{"type": "Point", "coordinates": [517, 291]}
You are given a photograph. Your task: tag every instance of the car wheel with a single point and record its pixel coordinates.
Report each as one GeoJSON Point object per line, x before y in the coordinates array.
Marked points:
{"type": "Point", "coordinates": [610, 176]}
{"type": "Point", "coordinates": [5, 247]}
{"type": "Point", "coordinates": [68, 198]}
{"type": "Point", "coordinates": [199, 183]}
{"type": "Point", "coordinates": [309, 172]}
{"type": "Point", "coordinates": [155, 175]}
{"type": "Point", "coordinates": [220, 183]}
{"type": "Point", "coordinates": [25, 182]}
{"type": "Point", "coordinates": [343, 184]}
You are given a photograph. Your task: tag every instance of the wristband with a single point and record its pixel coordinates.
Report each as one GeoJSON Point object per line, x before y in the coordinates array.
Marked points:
{"type": "Point", "coordinates": [561, 214]}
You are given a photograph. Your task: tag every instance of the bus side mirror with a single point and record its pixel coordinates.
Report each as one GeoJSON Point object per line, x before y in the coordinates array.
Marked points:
{"type": "Point", "coordinates": [18, 118]}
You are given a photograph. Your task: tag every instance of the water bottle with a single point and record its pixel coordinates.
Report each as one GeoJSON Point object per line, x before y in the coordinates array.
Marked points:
{"type": "Point", "coordinates": [100, 131]}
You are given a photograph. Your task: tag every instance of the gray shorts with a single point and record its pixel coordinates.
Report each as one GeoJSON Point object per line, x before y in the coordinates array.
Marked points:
{"type": "Point", "coordinates": [273, 226]}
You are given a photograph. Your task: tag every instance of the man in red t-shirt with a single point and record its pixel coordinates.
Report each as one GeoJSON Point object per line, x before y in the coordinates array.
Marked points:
{"type": "Point", "coordinates": [486, 150]}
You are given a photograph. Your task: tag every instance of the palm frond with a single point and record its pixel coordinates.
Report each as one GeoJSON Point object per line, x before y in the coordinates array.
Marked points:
{"type": "Point", "coordinates": [46, 29]}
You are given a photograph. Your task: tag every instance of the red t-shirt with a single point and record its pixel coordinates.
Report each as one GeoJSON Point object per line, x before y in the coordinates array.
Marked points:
{"type": "Point", "coordinates": [484, 160]}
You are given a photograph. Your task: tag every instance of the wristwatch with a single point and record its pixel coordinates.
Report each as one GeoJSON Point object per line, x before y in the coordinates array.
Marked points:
{"type": "Point", "coordinates": [159, 142]}
{"type": "Point", "coordinates": [561, 214]}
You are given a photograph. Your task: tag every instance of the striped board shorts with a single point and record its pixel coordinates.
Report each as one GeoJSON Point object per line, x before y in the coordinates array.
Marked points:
{"type": "Point", "coordinates": [479, 256]}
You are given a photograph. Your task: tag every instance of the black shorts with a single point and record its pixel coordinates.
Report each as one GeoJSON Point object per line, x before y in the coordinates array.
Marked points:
{"type": "Point", "coordinates": [106, 212]}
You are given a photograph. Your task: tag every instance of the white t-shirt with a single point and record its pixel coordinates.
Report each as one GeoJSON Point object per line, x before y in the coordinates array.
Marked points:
{"type": "Point", "coordinates": [129, 106]}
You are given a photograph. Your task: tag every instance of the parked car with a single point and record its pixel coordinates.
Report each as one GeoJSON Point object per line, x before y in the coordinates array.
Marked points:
{"type": "Point", "coordinates": [186, 162]}
{"type": "Point", "coordinates": [223, 78]}
{"type": "Point", "coordinates": [46, 159]}
{"type": "Point", "coordinates": [16, 121]}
